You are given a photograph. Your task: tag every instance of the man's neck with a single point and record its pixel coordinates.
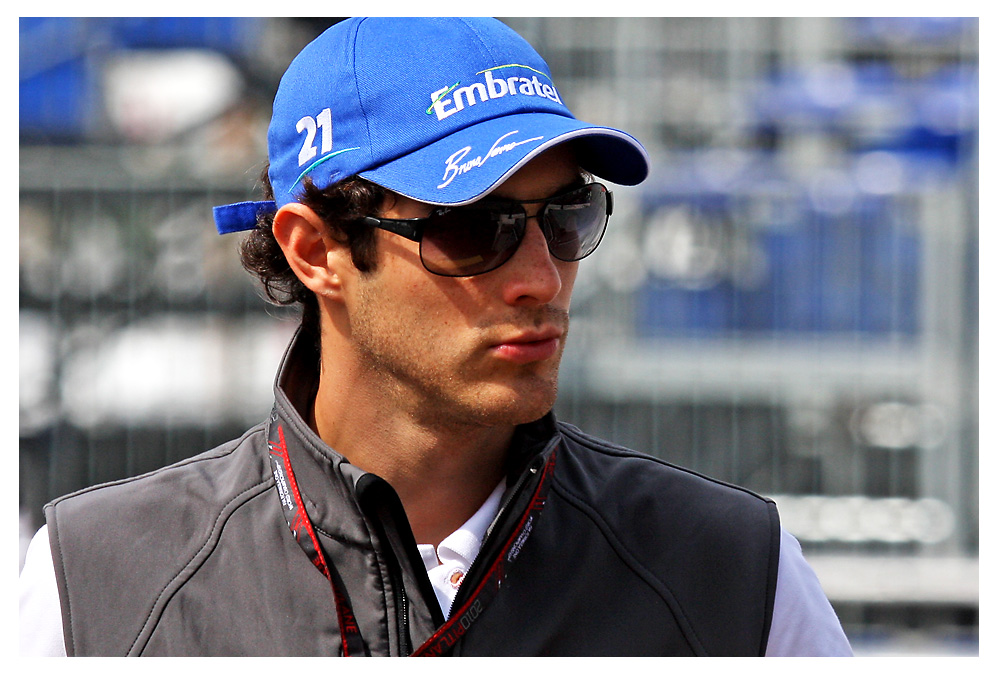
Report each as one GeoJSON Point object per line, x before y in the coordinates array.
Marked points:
{"type": "Point", "coordinates": [442, 472]}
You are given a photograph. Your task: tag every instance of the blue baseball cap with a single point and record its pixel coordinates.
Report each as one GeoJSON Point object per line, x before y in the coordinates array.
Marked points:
{"type": "Point", "coordinates": [441, 110]}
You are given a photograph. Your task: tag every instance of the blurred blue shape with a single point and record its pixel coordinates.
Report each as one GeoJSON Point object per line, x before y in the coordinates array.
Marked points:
{"type": "Point", "coordinates": [853, 273]}
{"type": "Point", "coordinates": [923, 29]}
{"type": "Point", "coordinates": [872, 106]}
{"type": "Point", "coordinates": [225, 34]}
{"type": "Point", "coordinates": [793, 278]}
{"type": "Point", "coordinates": [944, 119]}
{"type": "Point", "coordinates": [57, 96]}
{"type": "Point", "coordinates": [821, 96]}
{"type": "Point", "coordinates": [674, 312]}
{"type": "Point", "coordinates": [835, 278]}
{"type": "Point", "coordinates": [836, 265]}
{"type": "Point", "coordinates": [60, 59]}
{"type": "Point", "coordinates": [60, 103]}
{"type": "Point", "coordinates": [890, 276]}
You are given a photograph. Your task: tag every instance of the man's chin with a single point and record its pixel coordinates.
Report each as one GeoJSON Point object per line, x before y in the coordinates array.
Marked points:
{"type": "Point", "coordinates": [519, 405]}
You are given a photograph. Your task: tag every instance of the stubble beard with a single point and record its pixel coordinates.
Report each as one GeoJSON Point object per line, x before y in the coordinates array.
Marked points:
{"type": "Point", "coordinates": [450, 388]}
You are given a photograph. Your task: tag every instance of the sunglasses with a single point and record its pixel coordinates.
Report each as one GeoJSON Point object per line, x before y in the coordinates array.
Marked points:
{"type": "Point", "coordinates": [463, 241]}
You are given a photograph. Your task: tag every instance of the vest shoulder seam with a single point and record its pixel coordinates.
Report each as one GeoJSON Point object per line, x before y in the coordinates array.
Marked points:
{"type": "Point", "coordinates": [587, 443]}
{"type": "Point", "coordinates": [658, 586]}
{"type": "Point", "coordinates": [190, 568]}
{"type": "Point", "coordinates": [69, 636]}
{"type": "Point", "coordinates": [218, 452]}
{"type": "Point", "coordinates": [613, 450]}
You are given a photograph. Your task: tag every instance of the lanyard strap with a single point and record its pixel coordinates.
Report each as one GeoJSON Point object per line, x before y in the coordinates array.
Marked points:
{"type": "Point", "coordinates": [462, 619]}
{"type": "Point", "coordinates": [458, 624]}
{"type": "Point", "coordinates": [298, 520]}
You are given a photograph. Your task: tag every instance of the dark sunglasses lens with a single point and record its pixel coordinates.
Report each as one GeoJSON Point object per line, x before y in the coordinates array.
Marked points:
{"type": "Point", "coordinates": [467, 240]}
{"type": "Point", "coordinates": [470, 240]}
{"type": "Point", "coordinates": [576, 222]}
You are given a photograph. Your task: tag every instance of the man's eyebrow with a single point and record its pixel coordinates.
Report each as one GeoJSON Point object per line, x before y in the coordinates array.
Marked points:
{"type": "Point", "coordinates": [581, 179]}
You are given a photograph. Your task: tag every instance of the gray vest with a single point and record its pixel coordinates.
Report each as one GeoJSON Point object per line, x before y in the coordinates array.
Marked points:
{"type": "Point", "coordinates": [628, 556]}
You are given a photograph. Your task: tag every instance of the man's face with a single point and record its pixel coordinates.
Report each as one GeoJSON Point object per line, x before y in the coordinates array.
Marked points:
{"type": "Point", "coordinates": [481, 350]}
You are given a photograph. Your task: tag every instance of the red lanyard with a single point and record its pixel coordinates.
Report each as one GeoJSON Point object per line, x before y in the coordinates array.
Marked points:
{"type": "Point", "coordinates": [305, 534]}
{"type": "Point", "coordinates": [460, 621]}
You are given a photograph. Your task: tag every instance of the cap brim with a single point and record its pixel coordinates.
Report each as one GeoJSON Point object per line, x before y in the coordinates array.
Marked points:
{"type": "Point", "coordinates": [468, 164]}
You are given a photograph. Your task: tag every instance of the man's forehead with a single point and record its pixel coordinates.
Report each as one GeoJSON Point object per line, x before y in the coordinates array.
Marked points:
{"type": "Point", "coordinates": [550, 173]}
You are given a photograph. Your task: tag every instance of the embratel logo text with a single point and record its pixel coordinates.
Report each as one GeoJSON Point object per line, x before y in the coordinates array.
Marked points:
{"type": "Point", "coordinates": [492, 86]}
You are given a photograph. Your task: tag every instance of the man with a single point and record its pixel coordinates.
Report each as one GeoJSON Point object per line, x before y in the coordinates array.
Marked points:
{"type": "Point", "coordinates": [411, 493]}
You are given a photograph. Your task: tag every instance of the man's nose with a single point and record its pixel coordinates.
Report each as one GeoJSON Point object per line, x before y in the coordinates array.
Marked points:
{"type": "Point", "coordinates": [531, 275]}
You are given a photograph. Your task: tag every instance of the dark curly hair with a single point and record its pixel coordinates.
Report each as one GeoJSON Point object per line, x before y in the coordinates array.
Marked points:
{"type": "Point", "coordinates": [340, 206]}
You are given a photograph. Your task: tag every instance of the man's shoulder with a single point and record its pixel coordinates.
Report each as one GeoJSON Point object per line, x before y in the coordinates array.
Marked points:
{"type": "Point", "coordinates": [215, 475]}
{"type": "Point", "coordinates": [150, 534]}
{"type": "Point", "coordinates": [708, 549]}
{"type": "Point", "coordinates": [645, 498]}
{"type": "Point", "coordinates": [606, 464]}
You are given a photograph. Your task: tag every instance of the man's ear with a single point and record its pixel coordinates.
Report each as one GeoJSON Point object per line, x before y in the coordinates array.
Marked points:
{"type": "Point", "coordinates": [314, 256]}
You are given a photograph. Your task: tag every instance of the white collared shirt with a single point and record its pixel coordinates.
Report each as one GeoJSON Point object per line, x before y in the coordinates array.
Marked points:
{"type": "Point", "coordinates": [448, 564]}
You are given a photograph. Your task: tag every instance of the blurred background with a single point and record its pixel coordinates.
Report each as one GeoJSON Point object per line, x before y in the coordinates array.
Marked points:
{"type": "Point", "coordinates": [790, 302]}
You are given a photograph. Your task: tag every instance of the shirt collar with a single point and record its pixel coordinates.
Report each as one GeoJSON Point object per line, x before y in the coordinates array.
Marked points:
{"type": "Point", "coordinates": [462, 545]}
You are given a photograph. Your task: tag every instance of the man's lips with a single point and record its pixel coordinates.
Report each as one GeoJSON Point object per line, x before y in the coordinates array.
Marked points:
{"type": "Point", "coordinates": [529, 347]}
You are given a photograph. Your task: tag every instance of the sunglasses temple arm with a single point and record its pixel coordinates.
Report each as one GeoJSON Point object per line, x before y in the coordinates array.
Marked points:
{"type": "Point", "coordinates": [411, 230]}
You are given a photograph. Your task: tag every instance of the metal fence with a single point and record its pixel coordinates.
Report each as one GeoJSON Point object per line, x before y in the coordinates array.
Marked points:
{"type": "Point", "coordinates": [789, 303]}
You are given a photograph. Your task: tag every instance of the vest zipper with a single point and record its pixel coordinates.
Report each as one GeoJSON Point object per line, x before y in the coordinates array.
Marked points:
{"type": "Point", "coordinates": [398, 581]}
{"type": "Point", "coordinates": [471, 579]}
{"type": "Point", "coordinates": [532, 470]}
{"type": "Point", "coordinates": [406, 640]}
{"type": "Point", "coordinates": [400, 553]}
